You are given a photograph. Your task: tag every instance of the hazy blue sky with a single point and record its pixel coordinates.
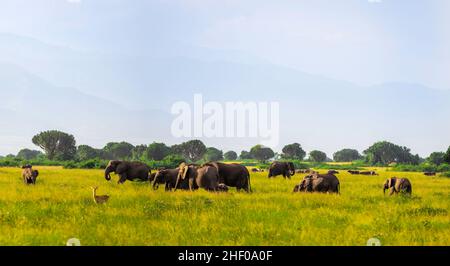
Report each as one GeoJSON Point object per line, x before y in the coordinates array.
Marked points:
{"type": "Point", "coordinates": [380, 68]}
{"type": "Point", "coordinates": [363, 41]}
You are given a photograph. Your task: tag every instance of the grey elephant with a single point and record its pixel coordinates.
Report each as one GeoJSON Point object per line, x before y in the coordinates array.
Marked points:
{"type": "Point", "coordinates": [286, 169]}
{"type": "Point", "coordinates": [205, 176]}
{"type": "Point", "coordinates": [397, 185]}
{"type": "Point", "coordinates": [169, 178]}
{"type": "Point", "coordinates": [233, 175]}
{"type": "Point", "coordinates": [127, 171]}
{"type": "Point", "coordinates": [327, 183]}
{"type": "Point", "coordinates": [29, 175]}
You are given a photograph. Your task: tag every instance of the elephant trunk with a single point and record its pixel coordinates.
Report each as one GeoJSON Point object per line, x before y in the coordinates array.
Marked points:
{"type": "Point", "coordinates": [155, 184]}
{"type": "Point", "coordinates": [107, 174]}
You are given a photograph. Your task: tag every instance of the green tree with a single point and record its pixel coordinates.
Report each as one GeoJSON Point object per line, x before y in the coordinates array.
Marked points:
{"type": "Point", "coordinates": [293, 151]}
{"type": "Point", "coordinates": [138, 152]}
{"type": "Point", "coordinates": [346, 155]}
{"type": "Point", "coordinates": [56, 144]}
{"type": "Point", "coordinates": [173, 160]}
{"type": "Point", "coordinates": [192, 150]}
{"type": "Point", "coordinates": [317, 156]}
{"type": "Point", "coordinates": [245, 155]}
{"type": "Point", "coordinates": [86, 152]}
{"type": "Point", "coordinates": [157, 151]}
{"type": "Point", "coordinates": [261, 153]}
{"type": "Point", "coordinates": [118, 150]}
{"type": "Point", "coordinates": [384, 152]}
{"type": "Point", "coordinates": [213, 154]}
{"type": "Point", "coordinates": [28, 154]}
{"type": "Point", "coordinates": [230, 156]}
{"type": "Point", "coordinates": [447, 156]}
{"type": "Point", "coordinates": [436, 158]}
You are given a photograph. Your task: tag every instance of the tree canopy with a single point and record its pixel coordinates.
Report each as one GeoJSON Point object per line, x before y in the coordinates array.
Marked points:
{"type": "Point", "coordinates": [447, 156]}
{"type": "Point", "coordinates": [213, 154]}
{"type": "Point", "coordinates": [28, 154]}
{"type": "Point", "coordinates": [293, 151]}
{"type": "Point", "coordinates": [436, 158]}
{"type": "Point", "coordinates": [118, 150]}
{"type": "Point", "coordinates": [317, 156]}
{"type": "Point", "coordinates": [230, 155]}
{"type": "Point", "coordinates": [192, 150]}
{"type": "Point", "coordinates": [384, 152]}
{"type": "Point", "coordinates": [157, 151]}
{"type": "Point", "coordinates": [261, 153]}
{"type": "Point", "coordinates": [138, 152]}
{"type": "Point", "coordinates": [56, 144]}
{"type": "Point", "coordinates": [346, 155]}
{"type": "Point", "coordinates": [86, 152]}
{"type": "Point", "coordinates": [245, 155]}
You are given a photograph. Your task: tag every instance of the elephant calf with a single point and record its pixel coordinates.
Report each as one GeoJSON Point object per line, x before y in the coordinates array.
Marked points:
{"type": "Point", "coordinates": [205, 176]}
{"type": "Point", "coordinates": [286, 169]}
{"type": "Point", "coordinates": [29, 175]}
{"type": "Point", "coordinates": [319, 183]}
{"type": "Point", "coordinates": [397, 185]}
{"type": "Point", "coordinates": [169, 178]}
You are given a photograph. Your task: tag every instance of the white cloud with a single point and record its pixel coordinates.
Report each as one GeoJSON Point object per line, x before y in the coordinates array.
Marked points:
{"type": "Point", "coordinates": [375, 1]}
{"type": "Point", "coordinates": [74, 1]}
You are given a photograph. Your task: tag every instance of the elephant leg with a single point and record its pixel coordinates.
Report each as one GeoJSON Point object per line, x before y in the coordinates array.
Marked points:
{"type": "Point", "coordinates": [123, 178]}
{"type": "Point", "coordinates": [392, 192]}
{"type": "Point", "coordinates": [191, 183]}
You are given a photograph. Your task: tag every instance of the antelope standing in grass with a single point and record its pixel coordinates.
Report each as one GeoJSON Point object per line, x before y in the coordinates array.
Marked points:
{"type": "Point", "coordinates": [99, 199]}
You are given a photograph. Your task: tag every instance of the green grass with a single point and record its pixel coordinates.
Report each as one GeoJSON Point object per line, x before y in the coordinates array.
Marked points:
{"type": "Point", "coordinates": [60, 207]}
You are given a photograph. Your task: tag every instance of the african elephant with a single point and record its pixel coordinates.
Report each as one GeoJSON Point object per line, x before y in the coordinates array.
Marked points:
{"type": "Point", "coordinates": [186, 175]}
{"type": "Point", "coordinates": [169, 178]}
{"type": "Point", "coordinates": [205, 176]}
{"type": "Point", "coordinates": [319, 183]}
{"type": "Point", "coordinates": [397, 185]}
{"type": "Point", "coordinates": [29, 175]}
{"type": "Point", "coordinates": [127, 171]}
{"type": "Point", "coordinates": [368, 173]}
{"type": "Point", "coordinates": [302, 171]}
{"type": "Point", "coordinates": [333, 172]}
{"type": "Point", "coordinates": [287, 169]}
{"type": "Point", "coordinates": [233, 175]}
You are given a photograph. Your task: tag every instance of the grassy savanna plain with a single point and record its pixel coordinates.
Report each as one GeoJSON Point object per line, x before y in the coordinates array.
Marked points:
{"type": "Point", "coordinates": [60, 206]}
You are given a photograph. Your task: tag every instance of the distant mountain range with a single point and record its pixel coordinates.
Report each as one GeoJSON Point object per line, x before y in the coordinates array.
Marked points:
{"type": "Point", "coordinates": [102, 97]}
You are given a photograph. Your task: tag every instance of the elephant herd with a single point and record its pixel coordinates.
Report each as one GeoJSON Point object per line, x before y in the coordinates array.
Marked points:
{"type": "Point", "coordinates": [216, 176]}
{"type": "Point", "coordinates": [212, 176]}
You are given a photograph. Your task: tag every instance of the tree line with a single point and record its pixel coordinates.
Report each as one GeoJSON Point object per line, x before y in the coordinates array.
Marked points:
{"type": "Point", "coordinates": [61, 146]}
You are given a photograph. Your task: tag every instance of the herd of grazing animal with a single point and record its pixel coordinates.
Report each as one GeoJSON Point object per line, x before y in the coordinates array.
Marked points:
{"type": "Point", "coordinates": [218, 177]}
